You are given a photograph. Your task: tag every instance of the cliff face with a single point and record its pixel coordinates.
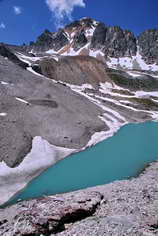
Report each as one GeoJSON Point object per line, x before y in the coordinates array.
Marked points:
{"type": "Point", "coordinates": [114, 41]}
{"type": "Point", "coordinates": [148, 46]}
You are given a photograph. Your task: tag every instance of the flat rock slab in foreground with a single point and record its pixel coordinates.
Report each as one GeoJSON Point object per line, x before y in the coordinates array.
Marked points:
{"type": "Point", "coordinates": [121, 208]}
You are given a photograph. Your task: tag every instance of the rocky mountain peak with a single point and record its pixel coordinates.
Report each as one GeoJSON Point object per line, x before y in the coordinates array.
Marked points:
{"type": "Point", "coordinates": [117, 47]}
{"type": "Point", "coordinates": [84, 22]}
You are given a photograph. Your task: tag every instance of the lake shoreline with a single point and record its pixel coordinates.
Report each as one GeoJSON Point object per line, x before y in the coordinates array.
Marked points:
{"type": "Point", "coordinates": [64, 179]}
{"type": "Point", "coordinates": [54, 154]}
{"type": "Point", "coordinates": [113, 203]}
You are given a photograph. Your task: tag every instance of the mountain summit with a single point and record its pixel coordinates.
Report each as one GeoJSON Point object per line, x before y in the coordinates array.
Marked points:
{"type": "Point", "coordinates": [117, 47]}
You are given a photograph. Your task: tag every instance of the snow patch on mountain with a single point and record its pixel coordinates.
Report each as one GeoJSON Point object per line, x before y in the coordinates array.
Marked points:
{"type": "Point", "coordinates": [134, 62]}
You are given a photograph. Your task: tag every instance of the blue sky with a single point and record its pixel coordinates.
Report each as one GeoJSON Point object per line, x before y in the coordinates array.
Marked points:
{"type": "Point", "coordinates": [21, 21]}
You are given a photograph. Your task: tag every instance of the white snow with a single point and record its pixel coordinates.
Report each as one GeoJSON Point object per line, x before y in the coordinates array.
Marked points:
{"type": "Point", "coordinates": [100, 136]}
{"type": "Point", "coordinates": [105, 87]}
{"type": "Point", "coordinates": [128, 63]}
{"type": "Point", "coordinates": [142, 63]}
{"type": "Point", "coordinates": [78, 88]}
{"type": "Point", "coordinates": [27, 59]}
{"type": "Point", "coordinates": [42, 156]}
{"type": "Point", "coordinates": [142, 93]}
{"type": "Point", "coordinates": [95, 23]}
{"type": "Point", "coordinates": [113, 123]}
{"type": "Point", "coordinates": [67, 35]}
{"type": "Point", "coordinates": [51, 51]}
{"type": "Point", "coordinates": [125, 102]}
{"type": "Point", "coordinates": [97, 137]}
{"type": "Point", "coordinates": [124, 62]}
{"type": "Point", "coordinates": [134, 74]}
{"type": "Point", "coordinates": [72, 34]}
{"type": "Point", "coordinates": [34, 72]}
{"type": "Point", "coordinates": [4, 83]}
{"type": "Point", "coordinates": [95, 53]}
{"type": "Point", "coordinates": [89, 32]}
{"type": "Point", "coordinates": [3, 114]}
{"type": "Point", "coordinates": [155, 116]}
{"type": "Point", "coordinates": [31, 51]}
{"type": "Point", "coordinates": [22, 100]}
{"type": "Point", "coordinates": [72, 52]}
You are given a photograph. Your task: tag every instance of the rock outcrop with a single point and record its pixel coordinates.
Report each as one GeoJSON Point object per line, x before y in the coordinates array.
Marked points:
{"type": "Point", "coordinates": [99, 36]}
{"type": "Point", "coordinates": [114, 41]}
{"type": "Point", "coordinates": [148, 45]}
{"type": "Point", "coordinates": [8, 54]}
{"type": "Point", "coordinates": [51, 40]}
{"type": "Point", "coordinates": [119, 43]}
{"type": "Point", "coordinates": [80, 40]}
{"type": "Point", "coordinates": [77, 70]}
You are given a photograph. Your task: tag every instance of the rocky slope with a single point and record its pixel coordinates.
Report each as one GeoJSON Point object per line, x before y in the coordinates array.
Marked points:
{"type": "Point", "coordinates": [121, 208]}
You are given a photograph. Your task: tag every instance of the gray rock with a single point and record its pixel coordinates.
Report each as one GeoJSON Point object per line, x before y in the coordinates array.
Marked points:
{"type": "Point", "coordinates": [50, 108]}
{"type": "Point", "coordinates": [80, 40]}
{"type": "Point", "coordinates": [148, 45]}
{"type": "Point", "coordinates": [99, 36]}
{"type": "Point", "coordinates": [114, 41]}
{"type": "Point", "coordinates": [119, 43]}
{"type": "Point", "coordinates": [7, 53]}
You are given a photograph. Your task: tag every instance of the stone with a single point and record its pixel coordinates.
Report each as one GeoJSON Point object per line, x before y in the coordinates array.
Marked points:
{"type": "Point", "coordinates": [80, 40]}
{"type": "Point", "coordinates": [99, 36]}
{"type": "Point", "coordinates": [148, 45]}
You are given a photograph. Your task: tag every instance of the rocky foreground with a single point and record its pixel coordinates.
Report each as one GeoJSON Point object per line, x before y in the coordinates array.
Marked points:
{"type": "Point", "coordinates": [121, 208]}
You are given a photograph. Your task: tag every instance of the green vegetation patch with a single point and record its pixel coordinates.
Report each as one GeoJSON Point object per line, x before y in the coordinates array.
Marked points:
{"type": "Point", "coordinates": [146, 83]}
{"type": "Point", "coordinates": [124, 92]}
{"type": "Point", "coordinates": [146, 102]}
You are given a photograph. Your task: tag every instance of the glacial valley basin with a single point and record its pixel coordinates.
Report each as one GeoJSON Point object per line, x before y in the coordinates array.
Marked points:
{"type": "Point", "coordinates": [122, 156]}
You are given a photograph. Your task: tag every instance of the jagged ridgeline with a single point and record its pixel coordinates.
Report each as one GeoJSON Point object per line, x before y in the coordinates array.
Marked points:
{"type": "Point", "coordinates": [90, 37]}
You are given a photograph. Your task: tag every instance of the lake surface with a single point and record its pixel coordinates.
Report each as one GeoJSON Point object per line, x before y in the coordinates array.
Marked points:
{"type": "Point", "coordinates": [122, 156]}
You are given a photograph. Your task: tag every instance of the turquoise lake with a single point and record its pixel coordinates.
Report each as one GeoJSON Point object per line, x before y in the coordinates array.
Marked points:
{"type": "Point", "coordinates": [122, 156]}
